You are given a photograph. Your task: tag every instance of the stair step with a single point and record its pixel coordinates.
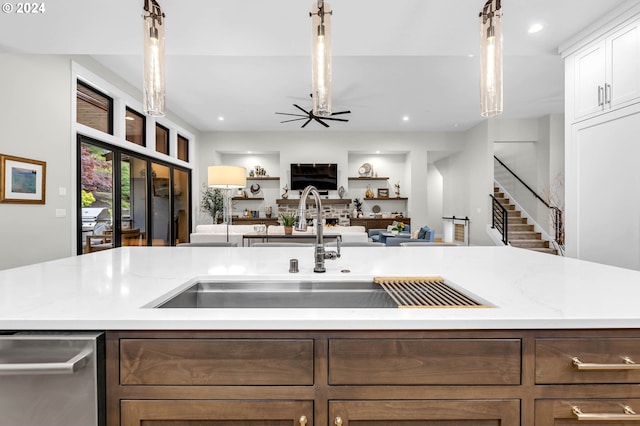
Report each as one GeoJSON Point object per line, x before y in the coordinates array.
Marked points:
{"type": "Point", "coordinates": [524, 235]}
{"type": "Point", "coordinates": [517, 227]}
{"type": "Point", "coordinates": [513, 213]}
{"type": "Point", "coordinates": [529, 243]}
{"type": "Point", "coordinates": [516, 220]}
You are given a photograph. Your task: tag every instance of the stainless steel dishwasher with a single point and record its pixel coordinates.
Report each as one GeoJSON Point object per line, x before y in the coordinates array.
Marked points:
{"type": "Point", "coordinates": [51, 379]}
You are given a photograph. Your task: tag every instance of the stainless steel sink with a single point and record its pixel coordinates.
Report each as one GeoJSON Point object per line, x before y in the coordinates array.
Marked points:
{"type": "Point", "coordinates": [281, 294]}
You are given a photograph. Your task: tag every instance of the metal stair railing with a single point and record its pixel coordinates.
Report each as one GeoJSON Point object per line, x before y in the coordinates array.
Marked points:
{"type": "Point", "coordinates": [556, 214]}
{"type": "Point", "coordinates": [500, 219]}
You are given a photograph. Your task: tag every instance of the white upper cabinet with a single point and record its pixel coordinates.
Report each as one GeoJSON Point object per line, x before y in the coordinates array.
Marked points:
{"type": "Point", "coordinates": [605, 75]}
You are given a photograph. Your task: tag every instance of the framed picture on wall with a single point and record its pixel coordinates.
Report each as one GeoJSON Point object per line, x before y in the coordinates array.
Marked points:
{"type": "Point", "coordinates": [22, 181]}
{"type": "Point", "coordinates": [383, 192]}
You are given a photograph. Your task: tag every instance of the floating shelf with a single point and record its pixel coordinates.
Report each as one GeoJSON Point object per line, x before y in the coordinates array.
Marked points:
{"type": "Point", "coordinates": [368, 178]}
{"type": "Point", "coordinates": [387, 198]}
{"type": "Point", "coordinates": [263, 178]}
{"type": "Point", "coordinates": [247, 198]}
{"type": "Point", "coordinates": [295, 201]}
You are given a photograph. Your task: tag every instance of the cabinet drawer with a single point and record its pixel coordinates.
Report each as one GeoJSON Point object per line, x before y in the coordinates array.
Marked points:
{"type": "Point", "coordinates": [425, 412]}
{"type": "Point", "coordinates": [594, 411]}
{"type": "Point", "coordinates": [216, 362]}
{"type": "Point", "coordinates": [424, 362]}
{"type": "Point", "coordinates": [603, 361]}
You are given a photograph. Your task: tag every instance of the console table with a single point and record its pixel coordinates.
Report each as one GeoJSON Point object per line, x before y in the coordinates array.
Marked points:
{"type": "Point", "coordinates": [274, 238]}
{"type": "Point", "coordinates": [378, 223]}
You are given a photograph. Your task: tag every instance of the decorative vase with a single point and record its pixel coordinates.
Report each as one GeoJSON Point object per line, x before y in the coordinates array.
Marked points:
{"type": "Point", "coordinates": [268, 211]}
{"type": "Point", "coordinates": [341, 192]}
{"type": "Point", "coordinates": [288, 230]}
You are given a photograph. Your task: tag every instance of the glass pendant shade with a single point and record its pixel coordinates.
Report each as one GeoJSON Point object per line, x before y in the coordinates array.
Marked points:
{"type": "Point", "coordinates": [154, 81]}
{"type": "Point", "coordinates": [321, 58]}
{"type": "Point", "coordinates": [491, 59]}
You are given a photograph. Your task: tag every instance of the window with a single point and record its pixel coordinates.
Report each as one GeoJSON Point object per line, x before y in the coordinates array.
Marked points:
{"type": "Point", "coordinates": [135, 127]}
{"type": "Point", "coordinates": [93, 108]}
{"type": "Point", "coordinates": [162, 139]}
{"type": "Point", "coordinates": [183, 148]}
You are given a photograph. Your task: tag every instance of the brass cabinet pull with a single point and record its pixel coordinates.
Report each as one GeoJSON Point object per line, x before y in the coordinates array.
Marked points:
{"type": "Point", "coordinates": [338, 421]}
{"type": "Point", "coordinates": [303, 420]}
{"type": "Point", "coordinates": [627, 364]}
{"type": "Point", "coordinates": [627, 415]}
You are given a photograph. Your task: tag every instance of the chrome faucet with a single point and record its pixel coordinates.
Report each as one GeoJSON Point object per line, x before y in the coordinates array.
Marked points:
{"type": "Point", "coordinates": [301, 225]}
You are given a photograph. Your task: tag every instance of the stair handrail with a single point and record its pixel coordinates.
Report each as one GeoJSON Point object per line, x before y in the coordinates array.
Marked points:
{"type": "Point", "coordinates": [558, 221]}
{"type": "Point", "coordinates": [502, 227]}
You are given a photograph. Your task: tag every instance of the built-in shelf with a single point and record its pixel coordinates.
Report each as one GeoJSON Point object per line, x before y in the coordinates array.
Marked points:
{"type": "Point", "coordinates": [387, 198]}
{"type": "Point", "coordinates": [263, 178]}
{"type": "Point", "coordinates": [247, 198]}
{"type": "Point", "coordinates": [325, 201]}
{"type": "Point", "coordinates": [368, 178]}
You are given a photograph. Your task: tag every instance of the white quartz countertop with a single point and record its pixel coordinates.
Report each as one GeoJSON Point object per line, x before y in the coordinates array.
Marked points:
{"type": "Point", "coordinates": [110, 290]}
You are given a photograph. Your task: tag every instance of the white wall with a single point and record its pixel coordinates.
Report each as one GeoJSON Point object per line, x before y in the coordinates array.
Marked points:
{"type": "Point", "coordinates": [403, 159]}
{"type": "Point", "coordinates": [35, 118]}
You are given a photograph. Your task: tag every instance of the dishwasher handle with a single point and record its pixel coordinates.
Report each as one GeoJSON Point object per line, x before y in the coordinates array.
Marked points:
{"type": "Point", "coordinates": [74, 364]}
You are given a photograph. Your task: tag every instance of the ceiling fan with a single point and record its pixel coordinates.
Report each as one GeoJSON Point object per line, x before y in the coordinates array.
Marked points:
{"type": "Point", "coordinates": [309, 115]}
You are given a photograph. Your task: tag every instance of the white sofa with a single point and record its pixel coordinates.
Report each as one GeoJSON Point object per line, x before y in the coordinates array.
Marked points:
{"type": "Point", "coordinates": [218, 233]}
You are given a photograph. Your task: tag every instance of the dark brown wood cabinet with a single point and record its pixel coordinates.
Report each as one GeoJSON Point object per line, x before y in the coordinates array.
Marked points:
{"type": "Point", "coordinates": [362, 378]}
{"type": "Point", "coordinates": [216, 413]}
{"type": "Point", "coordinates": [378, 223]}
{"type": "Point", "coordinates": [424, 413]}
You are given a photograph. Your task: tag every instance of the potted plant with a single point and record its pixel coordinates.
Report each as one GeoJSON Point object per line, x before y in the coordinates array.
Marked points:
{"type": "Point", "coordinates": [212, 202]}
{"type": "Point", "coordinates": [287, 220]}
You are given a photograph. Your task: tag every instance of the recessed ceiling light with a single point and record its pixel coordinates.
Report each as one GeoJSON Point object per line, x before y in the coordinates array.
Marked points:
{"type": "Point", "coordinates": [535, 28]}
{"type": "Point", "coordinates": [220, 118]}
{"type": "Point", "coordinates": [378, 152]}
{"type": "Point", "coordinates": [405, 118]}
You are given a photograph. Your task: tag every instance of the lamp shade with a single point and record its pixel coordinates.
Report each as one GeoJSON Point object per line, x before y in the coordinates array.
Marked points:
{"type": "Point", "coordinates": [154, 75]}
{"type": "Point", "coordinates": [321, 58]}
{"type": "Point", "coordinates": [491, 59]}
{"type": "Point", "coordinates": [227, 177]}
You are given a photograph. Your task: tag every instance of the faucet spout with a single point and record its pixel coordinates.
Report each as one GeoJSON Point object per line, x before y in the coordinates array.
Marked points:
{"type": "Point", "coordinates": [301, 225]}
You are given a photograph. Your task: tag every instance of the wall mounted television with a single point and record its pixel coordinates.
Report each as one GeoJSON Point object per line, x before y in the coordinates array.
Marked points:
{"type": "Point", "coordinates": [321, 175]}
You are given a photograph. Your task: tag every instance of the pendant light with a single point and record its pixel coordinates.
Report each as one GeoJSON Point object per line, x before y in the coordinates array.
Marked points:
{"type": "Point", "coordinates": [491, 59]}
{"type": "Point", "coordinates": [154, 84]}
{"type": "Point", "coordinates": [321, 58]}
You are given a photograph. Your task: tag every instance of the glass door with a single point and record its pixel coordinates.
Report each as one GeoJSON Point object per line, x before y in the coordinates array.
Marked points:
{"type": "Point", "coordinates": [96, 198]}
{"type": "Point", "coordinates": [133, 200]}
{"type": "Point", "coordinates": [161, 217]}
{"type": "Point", "coordinates": [127, 199]}
{"type": "Point", "coordinates": [181, 206]}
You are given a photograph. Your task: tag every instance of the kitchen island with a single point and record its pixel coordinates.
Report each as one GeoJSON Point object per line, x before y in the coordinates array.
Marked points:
{"type": "Point", "coordinates": [557, 343]}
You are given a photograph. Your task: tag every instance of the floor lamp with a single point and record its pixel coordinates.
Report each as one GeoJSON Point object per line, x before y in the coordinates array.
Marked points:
{"type": "Point", "coordinates": [227, 178]}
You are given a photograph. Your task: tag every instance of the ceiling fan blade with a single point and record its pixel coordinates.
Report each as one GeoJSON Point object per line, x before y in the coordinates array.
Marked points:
{"type": "Point", "coordinates": [302, 109]}
{"type": "Point", "coordinates": [321, 122]}
{"type": "Point", "coordinates": [295, 115]}
{"type": "Point", "coordinates": [306, 122]}
{"type": "Point", "coordinates": [335, 119]}
{"type": "Point", "coordinates": [294, 119]}
{"type": "Point", "coordinates": [341, 112]}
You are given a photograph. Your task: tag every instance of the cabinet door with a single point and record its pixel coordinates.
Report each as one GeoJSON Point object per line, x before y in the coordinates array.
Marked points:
{"type": "Point", "coordinates": [590, 411]}
{"type": "Point", "coordinates": [589, 81]}
{"type": "Point", "coordinates": [216, 413]}
{"type": "Point", "coordinates": [623, 66]}
{"type": "Point", "coordinates": [424, 413]}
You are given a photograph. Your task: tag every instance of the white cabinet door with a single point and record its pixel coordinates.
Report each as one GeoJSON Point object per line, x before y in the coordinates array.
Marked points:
{"type": "Point", "coordinates": [607, 210]}
{"type": "Point", "coordinates": [623, 66]}
{"type": "Point", "coordinates": [589, 79]}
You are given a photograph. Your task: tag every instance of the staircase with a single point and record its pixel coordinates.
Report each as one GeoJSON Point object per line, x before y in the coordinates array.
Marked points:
{"type": "Point", "coordinates": [520, 232]}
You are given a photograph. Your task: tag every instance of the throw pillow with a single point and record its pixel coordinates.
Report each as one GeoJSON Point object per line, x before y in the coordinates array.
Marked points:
{"type": "Point", "coordinates": [422, 234]}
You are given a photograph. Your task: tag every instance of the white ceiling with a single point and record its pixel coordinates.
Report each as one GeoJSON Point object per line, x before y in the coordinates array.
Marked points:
{"type": "Point", "coordinates": [246, 59]}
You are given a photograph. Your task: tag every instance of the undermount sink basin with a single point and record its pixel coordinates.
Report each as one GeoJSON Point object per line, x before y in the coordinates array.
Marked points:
{"type": "Point", "coordinates": [380, 292]}
{"type": "Point", "coordinates": [281, 294]}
